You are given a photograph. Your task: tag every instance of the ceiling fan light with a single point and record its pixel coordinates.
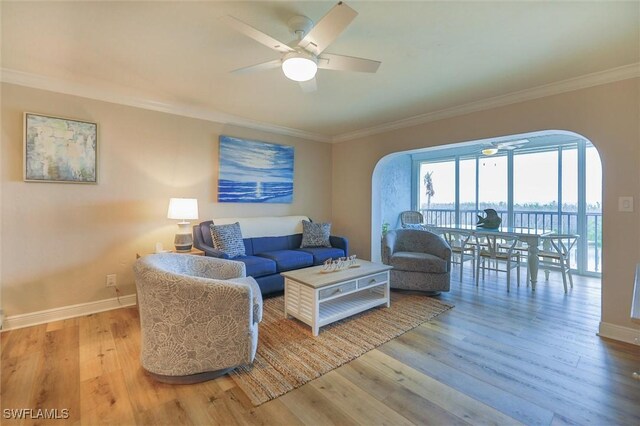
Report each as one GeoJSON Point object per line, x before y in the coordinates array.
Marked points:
{"type": "Point", "coordinates": [490, 151]}
{"type": "Point", "coordinates": [299, 67]}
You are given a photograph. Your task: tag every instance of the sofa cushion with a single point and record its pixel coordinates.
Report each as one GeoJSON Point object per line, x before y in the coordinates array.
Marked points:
{"type": "Point", "coordinates": [257, 266]}
{"type": "Point", "coordinates": [228, 239]}
{"type": "Point", "coordinates": [315, 234]}
{"type": "Point", "coordinates": [269, 284]}
{"type": "Point", "coordinates": [287, 260]}
{"type": "Point", "coordinates": [320, 254]}
{"type": "Point", "coordinates": [269, 244]}
{"type": "Point", "coordinates": [418, 262]}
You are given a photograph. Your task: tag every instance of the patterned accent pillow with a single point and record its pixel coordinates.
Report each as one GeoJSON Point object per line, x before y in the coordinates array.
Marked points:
{"type": "Point", "coordinates": [315, 234]}
{"type": "Point", "coordinates": [228, 239]}
{"type": "Point", "coordinates": [414, 226]}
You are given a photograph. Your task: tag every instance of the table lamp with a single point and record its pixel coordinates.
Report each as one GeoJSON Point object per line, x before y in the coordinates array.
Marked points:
{"type": "Point", "coordinates": [183, 209]}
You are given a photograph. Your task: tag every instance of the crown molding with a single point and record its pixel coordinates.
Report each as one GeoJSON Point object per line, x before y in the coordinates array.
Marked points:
{"type": "Point", "coordinates": [577, 83]}
{"type": "Point", "coordinates": [105, 94]}
{"type": "Point", "coordinates": [109, 95]}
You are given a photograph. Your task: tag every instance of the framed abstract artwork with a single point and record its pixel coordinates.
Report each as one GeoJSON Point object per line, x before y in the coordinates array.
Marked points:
{"type": "Point", "coordinates": [254, 172]}
{"type": "Point", "coordinates": [60, 150]}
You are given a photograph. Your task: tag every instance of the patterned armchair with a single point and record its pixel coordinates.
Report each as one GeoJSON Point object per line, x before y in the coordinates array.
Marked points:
{"type": "Point", "coordinates": [198, 315]}
{"type": "Point", "coordinates": [421, 260]}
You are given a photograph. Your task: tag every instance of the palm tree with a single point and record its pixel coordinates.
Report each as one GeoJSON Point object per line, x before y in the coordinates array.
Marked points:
{"type": "Point", "coordinates": [428, 182]}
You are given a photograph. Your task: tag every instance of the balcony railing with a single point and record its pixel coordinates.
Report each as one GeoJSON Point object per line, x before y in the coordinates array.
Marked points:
{"type": "Point", "coordinates": [536, 220]}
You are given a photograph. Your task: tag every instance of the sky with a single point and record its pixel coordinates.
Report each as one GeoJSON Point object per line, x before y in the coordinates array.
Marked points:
{"type": "Point", "coordinates": [535, 179]}
{"type": "Point", "coordinates": [244, 160]}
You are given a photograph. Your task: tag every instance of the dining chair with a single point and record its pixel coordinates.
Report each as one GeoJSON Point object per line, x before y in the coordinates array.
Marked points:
{"type": "Point", "coordinates": [499, 250]}
{"type": "Point", "coordinates": [555, 254]}
{"type": "Point", "coordinates": [523, 249]}
{"type": "Point", "coordinates": [463, 248]}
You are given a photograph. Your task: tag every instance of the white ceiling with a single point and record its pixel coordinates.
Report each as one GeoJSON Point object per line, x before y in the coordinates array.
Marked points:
{"type": "Point", "coordinates": [435, 55]}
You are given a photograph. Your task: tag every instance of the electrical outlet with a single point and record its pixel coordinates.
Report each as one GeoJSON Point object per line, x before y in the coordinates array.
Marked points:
{"type": "Point", "coordinates": [625, 204]}
{"type": "Point", "coordinates": [111, 280]}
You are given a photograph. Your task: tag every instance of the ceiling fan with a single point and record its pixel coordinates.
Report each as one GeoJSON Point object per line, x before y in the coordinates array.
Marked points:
{"type": "Point", "coordinates": [493, 147]}
{"type": "Point", "coordinates": [302, 57]}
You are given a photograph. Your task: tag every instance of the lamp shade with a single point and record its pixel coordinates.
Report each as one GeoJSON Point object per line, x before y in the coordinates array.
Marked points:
{"type": "Point", "coordinates": [299, 66]}
{"type": "Point", "coordinates": [183, 208]}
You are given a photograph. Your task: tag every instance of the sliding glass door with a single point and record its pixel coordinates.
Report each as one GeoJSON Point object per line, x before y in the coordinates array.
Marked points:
{"type": "Point", "coordinates": [552, 187]}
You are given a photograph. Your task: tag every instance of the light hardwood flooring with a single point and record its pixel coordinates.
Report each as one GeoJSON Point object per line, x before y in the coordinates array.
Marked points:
{"type": "Point", "coordinates": [496, 358]}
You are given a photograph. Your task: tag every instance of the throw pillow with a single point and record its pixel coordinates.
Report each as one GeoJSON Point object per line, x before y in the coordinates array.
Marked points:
{"type": "Point", "coordinates": [414, 226]}
{"type": "Point", "coordinates": [228, 239]}
{"type": "Point", "coordinates": [315, 234]}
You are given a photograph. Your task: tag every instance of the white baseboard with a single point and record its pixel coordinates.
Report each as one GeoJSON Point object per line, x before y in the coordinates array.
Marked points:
{"type": "Point", "coordinates": [65, 312]}
{"type": "Point", "coordinates": [618, 332]}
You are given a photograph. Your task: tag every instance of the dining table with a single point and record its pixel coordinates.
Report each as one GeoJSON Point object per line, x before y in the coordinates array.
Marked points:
{"type": "Point", "coordinates": [530, 236]}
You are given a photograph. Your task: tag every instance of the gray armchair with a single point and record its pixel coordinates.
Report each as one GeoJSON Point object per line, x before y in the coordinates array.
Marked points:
{"type": "Point", "coordinates": [421, 260]}
{"type": "Point", "coordinates": [198, 316]}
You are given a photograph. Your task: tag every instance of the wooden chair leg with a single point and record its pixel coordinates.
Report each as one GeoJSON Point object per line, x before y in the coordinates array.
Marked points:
{"type": "Point", "coordinates": [570, 277]}
{"type": "Point", "coordinates": [564, 275]}
{"type": "Point", "coordinates": [568, 265]}
{"type": "Point", "coordinates": [473, 264]}
{"type": "Point", "coordinates": [508, 275]}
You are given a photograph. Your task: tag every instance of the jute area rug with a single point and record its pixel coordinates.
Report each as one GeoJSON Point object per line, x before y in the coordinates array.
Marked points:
{"type": "Point", "coordinates": [289, 356]}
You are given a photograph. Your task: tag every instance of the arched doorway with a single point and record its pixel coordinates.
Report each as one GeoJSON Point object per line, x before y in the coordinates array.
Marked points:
{"type": "Point", "coordinates": [549, 179]}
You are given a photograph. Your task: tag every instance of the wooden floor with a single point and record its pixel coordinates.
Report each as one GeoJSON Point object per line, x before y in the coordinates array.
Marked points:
{"type": "Point", "coordinates": [496, 358]}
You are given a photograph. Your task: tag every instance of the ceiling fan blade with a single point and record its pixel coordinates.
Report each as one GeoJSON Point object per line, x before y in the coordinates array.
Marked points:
{"type": "Point", "coordinates": [328, 28]}
{"type": "Point", "coordinates": [309, 85]}
{"type": "Point", "coordinates": [329, 61]}
{"type": "Point", "coordinates": [255, 34]}
{"type": "Point", "coordinates": [276, 63]}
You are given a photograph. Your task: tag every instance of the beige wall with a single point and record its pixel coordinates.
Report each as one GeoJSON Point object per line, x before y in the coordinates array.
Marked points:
{"type": "Point", "coordinates": [608, 115]}
{"type": "Point", "coordinates": [60, 240]}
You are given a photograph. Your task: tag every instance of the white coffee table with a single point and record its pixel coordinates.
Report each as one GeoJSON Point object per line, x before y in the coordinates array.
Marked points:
{"type": "Point", "coordinates": [318, 298]}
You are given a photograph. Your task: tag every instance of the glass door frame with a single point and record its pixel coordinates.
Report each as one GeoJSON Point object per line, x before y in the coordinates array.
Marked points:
{"type": "Point", "coordinates": [581, 145]}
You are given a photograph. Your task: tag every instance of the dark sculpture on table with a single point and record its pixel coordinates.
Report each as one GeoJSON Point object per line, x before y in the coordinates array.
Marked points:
{"type": "Point", "coordinates": [490, 221]}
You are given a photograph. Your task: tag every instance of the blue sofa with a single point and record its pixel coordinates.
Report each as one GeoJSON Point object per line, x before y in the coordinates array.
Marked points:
{"type": "Point", "coordinates": [267, 256]}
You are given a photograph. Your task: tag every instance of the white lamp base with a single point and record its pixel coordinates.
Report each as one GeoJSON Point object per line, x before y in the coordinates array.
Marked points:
{"type": "Point", "coordinates": [184, 239]}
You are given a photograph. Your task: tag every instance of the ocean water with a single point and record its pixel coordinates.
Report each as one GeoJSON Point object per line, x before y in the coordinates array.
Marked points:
{"type": "Point", "coordinates": [230, 191]}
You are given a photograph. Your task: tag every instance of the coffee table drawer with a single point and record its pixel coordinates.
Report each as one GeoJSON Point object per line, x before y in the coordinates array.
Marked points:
{"type": "Point", "coordinates": [373, 280]}
{"type": "Point", "coordinates": [339, 289]}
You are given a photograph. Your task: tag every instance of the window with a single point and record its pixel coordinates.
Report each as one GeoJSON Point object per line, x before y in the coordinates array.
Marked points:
{"type": "Point", "coordinates": [535, 190]}
{"type": "Point", "coordinates": [556, 188]}
{"type": "Point", "coordinates": [493, 184]}
{"type": "Point", "coordinates": [468, 195]}
{"type": "Point", "coordinates": [438, 191]}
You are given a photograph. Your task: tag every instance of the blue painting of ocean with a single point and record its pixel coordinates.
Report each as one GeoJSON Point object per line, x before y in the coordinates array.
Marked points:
{"type": "Point", "coordinates": [254, 172]}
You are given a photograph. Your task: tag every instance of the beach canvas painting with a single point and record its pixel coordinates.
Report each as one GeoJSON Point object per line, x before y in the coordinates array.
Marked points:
{"type": "Point", "coordinates": [59, 150]}
{"type": "Point", "coordinates": [254, 172]}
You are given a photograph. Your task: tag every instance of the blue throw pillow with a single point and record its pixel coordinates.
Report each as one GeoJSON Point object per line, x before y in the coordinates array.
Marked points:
{"type": "Point", "coordinates": [315, 234]}
{"type": "Point", "coordinates": [228, 239]}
